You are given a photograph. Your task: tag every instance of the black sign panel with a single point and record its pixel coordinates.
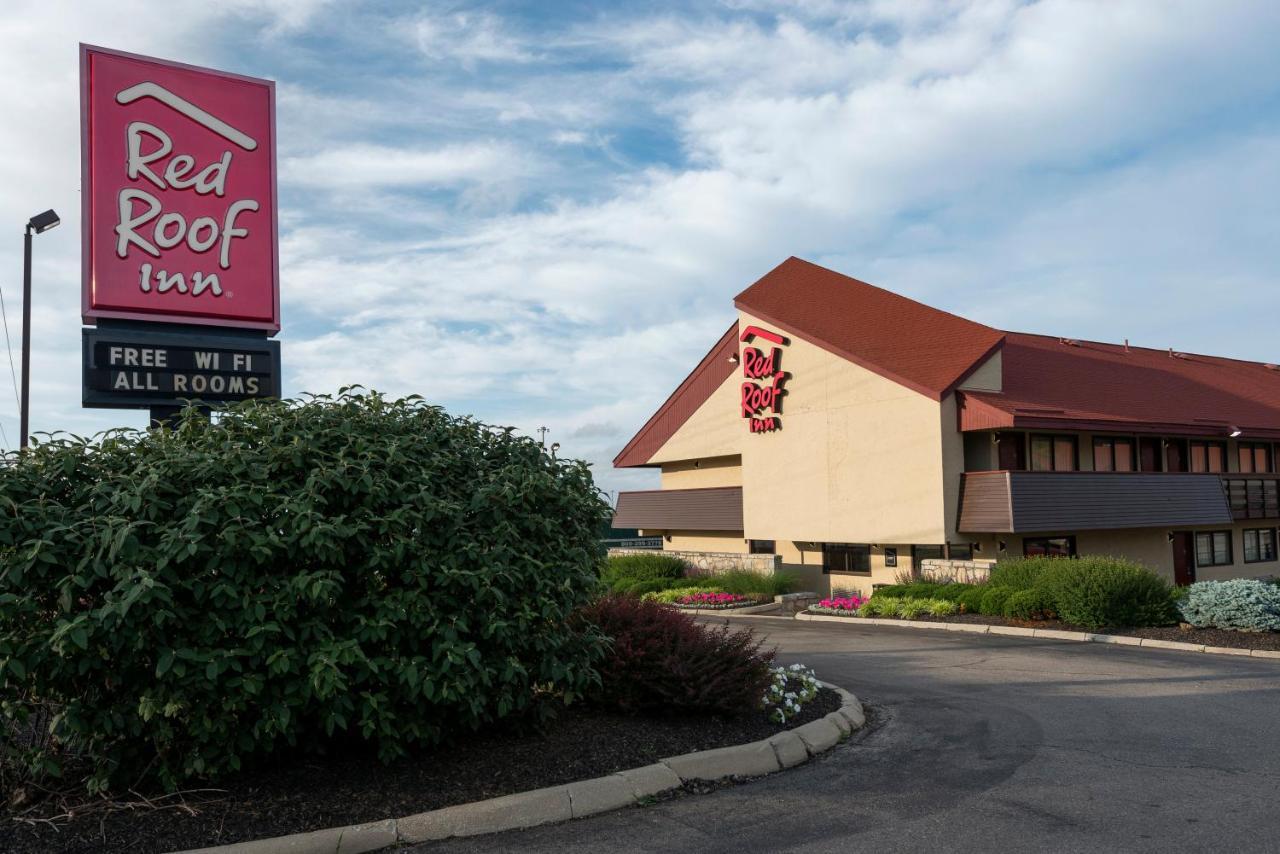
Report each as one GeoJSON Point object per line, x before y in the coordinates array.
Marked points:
{"type": "Point", "coordinates": [139, 369]}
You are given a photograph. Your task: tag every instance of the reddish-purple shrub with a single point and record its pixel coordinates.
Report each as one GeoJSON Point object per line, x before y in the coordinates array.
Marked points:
{"type": "Point", "coordinates": [661, 660]}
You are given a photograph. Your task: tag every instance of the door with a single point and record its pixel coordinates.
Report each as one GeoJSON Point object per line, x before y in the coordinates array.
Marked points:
{"type": "Point", "coordinates": [1184, 558]}
{"type": "Point", "coordinates": [1149, 454]}
{"type": "Point", "coordinates": [1176, 455]}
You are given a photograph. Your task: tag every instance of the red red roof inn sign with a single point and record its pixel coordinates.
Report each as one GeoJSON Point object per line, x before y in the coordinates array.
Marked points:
{"type": "Point", "coordinates": [179, 193]}
{"type": "Point", "coordinates": [179, 212]}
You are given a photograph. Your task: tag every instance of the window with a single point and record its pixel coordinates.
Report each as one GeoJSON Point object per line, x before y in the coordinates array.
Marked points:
{"type": "Point", "coordinates": [1049, 546]}
{"type": "Point", "coordinates": [762, 547]}
{"type": "Point", "coordinates": [1254, 456]}
{"type": "Point", "coordinates": [960, 551]}
{"type": "Point", "coordinates": [922, 553]}
{"type": "Point", "coordinates": [1112, 453]}
{"type": "Point", "coordinates": [1208, 456]}
{"type": "Point", "coordinates": [845, 557]}
{"type": "Point", "coordinates": [1053, 453]}
{"type": "Point", "coordinates": [1259, 545]}
{"type": "Point", "coordinates": [1213, 548]}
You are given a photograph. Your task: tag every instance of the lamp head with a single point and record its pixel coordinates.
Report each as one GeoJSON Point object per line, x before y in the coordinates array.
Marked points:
{"type": "Point", "coordinates": [42, 222]}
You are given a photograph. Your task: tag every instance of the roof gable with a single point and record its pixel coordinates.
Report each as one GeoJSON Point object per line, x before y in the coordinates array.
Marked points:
{"type": "Point", "coordinates": [923, 348]}
{"type": "Point", "coordinates": [714, 368]}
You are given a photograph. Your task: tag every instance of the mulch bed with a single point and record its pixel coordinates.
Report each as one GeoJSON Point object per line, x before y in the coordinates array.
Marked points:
{"type": "Point", "coordinates": [313, 794]}
{"type": "Point", "coordinates": [1208, 637]}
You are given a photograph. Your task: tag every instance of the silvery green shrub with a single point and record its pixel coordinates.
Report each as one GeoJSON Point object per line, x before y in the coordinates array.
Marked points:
{"type": "Point", "coordinates": [1242, 604]}
{"type": "Point", "coordinates": [357, 568]}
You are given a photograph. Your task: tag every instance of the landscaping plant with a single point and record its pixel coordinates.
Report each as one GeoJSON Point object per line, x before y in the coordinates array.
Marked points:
{"type": "Point", "coordinates": [993, 600]}
{"type": "Point", "coordinates": [1032, 604]}
{"type": "Point", "coordinates": [789, 690]}
{"type": "Point", "coordinates": [194, 600]}
{"type": "Point", "coordinates": [1097, 592]}
{"type": "Point", "coordinates": [644, 573]}
{"type": "Point", "coordinates": [661, 661]}
{"type": "Point", "coordinates": [714, 600]}
{"type": "Point", "coordinates": [1242, 604]}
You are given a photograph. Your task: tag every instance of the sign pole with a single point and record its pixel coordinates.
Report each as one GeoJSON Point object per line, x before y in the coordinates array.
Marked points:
{"type": "Point", "coordinates": [24, 416]}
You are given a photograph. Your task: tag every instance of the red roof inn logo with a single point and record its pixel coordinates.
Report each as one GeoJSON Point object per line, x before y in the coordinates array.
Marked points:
{"type": "Point", "coordinates": [763, 388]}
{"type": "Point", "coordinates": [179, 193]}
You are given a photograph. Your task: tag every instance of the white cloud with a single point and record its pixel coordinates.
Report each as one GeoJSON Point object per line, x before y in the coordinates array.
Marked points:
{"type": "Point", "coordinates": [1082, 166]}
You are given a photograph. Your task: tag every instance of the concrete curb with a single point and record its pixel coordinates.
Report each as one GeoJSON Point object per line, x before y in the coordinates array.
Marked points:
{"type": "Point", "coordinates": [785, 749]}
{"type": "Point", "coordinates": [1015, 631]}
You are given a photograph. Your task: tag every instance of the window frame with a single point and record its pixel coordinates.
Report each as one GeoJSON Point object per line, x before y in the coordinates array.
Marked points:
{"type": "Point", "coordinates": [1244, 544]}
{"type": "Point", "coordinates": [1070, 539]}
{"type": "Point", "coordinates": [1110, 443]}
{"type": "Point", "coordinates": [752, 547]}
{"type": "Point", "coordinates": [1053, 439]}
{"type": "Point", "coordinates": [1204, 445]}
{"type": "Point", "coordinates": [1253, 448]}
{"type": "Point", "coordinates": [1231, 557]}
{"type": "Point", "coordinates": [917, 559]}
{"type": "Point", "coordinates": [859, 552]}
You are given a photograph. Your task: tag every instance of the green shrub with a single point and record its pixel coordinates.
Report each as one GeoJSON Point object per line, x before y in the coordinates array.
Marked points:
{"type": "Point", "coordinates": [644, 586]}
{"type": "Point", "coordinates": [661, 661]}
{"type": "Point", "coordinates": [953, 591]}
{"type": "Point", "coordinates": [993, 599]}
{"type": "Point", "coordinates": [909, 609]}
{"type": "Point", "coordinates": [623, 572]}
{"type": "Point", "coordinates": [1033, 604]}
{"type": "Point", "coordinates": [892, 591]}
{"type": "Point", "coordinates": [1021, 573]}
{"type": "Point", "coordinates": [971, 600]}
{"type": "Point", "coordinates": [753, 583]}
{"type": "Point", "coordinates": [667, 597]}
{"type": "Point", "coordinates": [1242, 604]}
{"type": "Point", "coordinates": [1097, 592]}
{"type": "Point", "coordinates": [880, 606]}
{"type": "Point", "coordinates": [922, 590]}
{"type": "Point", "coordinates": [195, 600]}
{"type": "Point", "coordinates": [942, 607]}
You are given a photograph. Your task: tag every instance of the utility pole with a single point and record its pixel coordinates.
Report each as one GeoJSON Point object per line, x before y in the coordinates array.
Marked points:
{"type": "Point", "coordinates": [542, 436]}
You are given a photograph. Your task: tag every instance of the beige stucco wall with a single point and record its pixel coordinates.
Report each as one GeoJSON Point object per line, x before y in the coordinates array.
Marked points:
{"type": "Point", "coordinates": [858, 458]}
{"type": "Point", "coordinates": [714, 430]}
{"type": "Point", "coordinates": [702, 474]}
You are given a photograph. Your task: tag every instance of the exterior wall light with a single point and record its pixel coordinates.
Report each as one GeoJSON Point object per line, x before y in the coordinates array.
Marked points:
{"type": "Point", "coordinates": [733, 358]}
{"type": "Point", "coordinates": [1235, 431]}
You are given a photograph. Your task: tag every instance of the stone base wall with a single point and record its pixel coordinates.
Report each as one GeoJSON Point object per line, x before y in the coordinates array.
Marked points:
{"type": "Point", "coordinates": [713, 563]}
{"type": "Point", "coordinates": [965, 571]}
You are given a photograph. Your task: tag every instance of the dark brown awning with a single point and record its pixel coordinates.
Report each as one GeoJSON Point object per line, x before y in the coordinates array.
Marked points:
{"type": "Point", "coordinates": [1041, 501]}
{"type": "Point", "coordinates": [714, 509]}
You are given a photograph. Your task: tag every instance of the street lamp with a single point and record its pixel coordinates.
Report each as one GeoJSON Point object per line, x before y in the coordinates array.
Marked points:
{"type": "Point", "coordinates": [38, 224]}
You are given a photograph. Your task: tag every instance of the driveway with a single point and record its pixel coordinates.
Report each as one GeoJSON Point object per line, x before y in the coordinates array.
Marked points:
{"type": "Point", "coordinates": [989, 743]}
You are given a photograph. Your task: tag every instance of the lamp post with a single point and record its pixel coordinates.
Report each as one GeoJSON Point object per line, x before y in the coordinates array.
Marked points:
{"type": "Point", "coordinates": [38, 224]}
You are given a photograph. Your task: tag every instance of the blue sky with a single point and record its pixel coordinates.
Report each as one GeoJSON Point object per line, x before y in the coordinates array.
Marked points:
{"type": "Point", "coordinates": [538, 213]}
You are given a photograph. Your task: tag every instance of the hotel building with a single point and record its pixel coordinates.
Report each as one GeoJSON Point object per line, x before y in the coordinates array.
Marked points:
{"type": "Point", "coordinates": [847, 433]}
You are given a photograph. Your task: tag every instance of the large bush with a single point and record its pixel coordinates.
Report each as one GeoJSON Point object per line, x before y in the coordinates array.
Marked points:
{"type": "Point", "coordinates": [1096, 592]}
{"type": "Point", "coordinates": [1242, 604]}
{"type": "Point", "coordinates": [643, 573]}
{"type": "Point", "coordinates": [196, 599]}
{"type": "Point", "coordinates": [662, 661]}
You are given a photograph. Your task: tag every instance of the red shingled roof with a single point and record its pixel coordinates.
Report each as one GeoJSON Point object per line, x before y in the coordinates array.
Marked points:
{"type": "Point", "coordinates": [1049, 384]}
{"type": "Point", "coordinates": [922, 348]}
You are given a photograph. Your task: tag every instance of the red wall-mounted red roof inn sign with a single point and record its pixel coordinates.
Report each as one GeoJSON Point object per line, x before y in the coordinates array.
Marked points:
{"type": "Point", "coordinates": [179, 193]}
